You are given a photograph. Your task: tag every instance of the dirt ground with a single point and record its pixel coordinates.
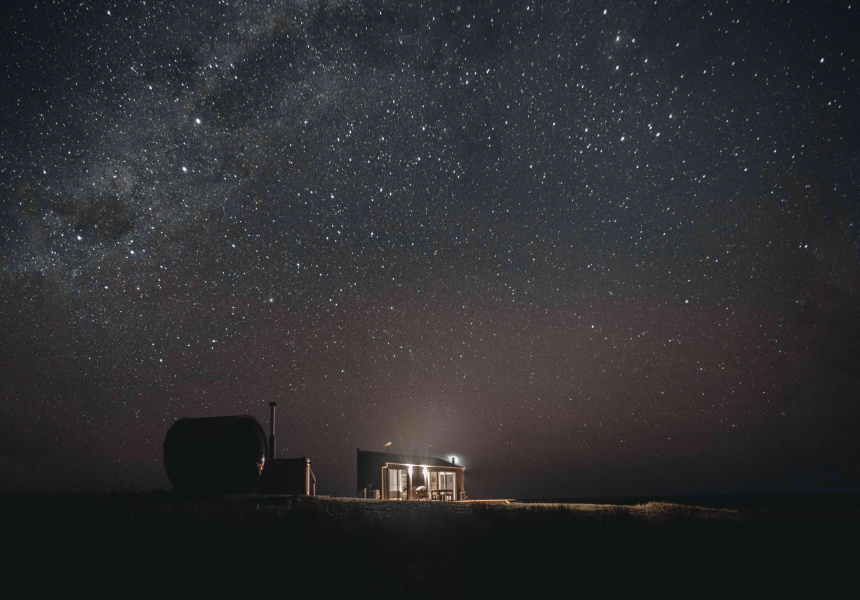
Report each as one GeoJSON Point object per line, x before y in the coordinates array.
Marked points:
{"type": "Point", "coordinates": [160, 543]}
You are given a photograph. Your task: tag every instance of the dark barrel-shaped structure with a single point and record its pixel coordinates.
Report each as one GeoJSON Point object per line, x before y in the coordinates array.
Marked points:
{"type": "Point", "coordinates": [215, 454]}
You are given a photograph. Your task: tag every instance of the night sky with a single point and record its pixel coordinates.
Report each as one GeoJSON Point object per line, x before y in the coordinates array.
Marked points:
{"type": "Point", "coordinates": [586, 248]}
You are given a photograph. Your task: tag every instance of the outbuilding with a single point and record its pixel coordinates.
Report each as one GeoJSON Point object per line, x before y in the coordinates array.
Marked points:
{"type": "Point", "coordinates": [288, 476]}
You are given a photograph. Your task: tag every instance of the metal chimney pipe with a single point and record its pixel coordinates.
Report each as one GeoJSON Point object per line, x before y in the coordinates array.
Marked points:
{"type": "Point", "coordinates": [272, 434]}
{"type": "Point", "coordinates": [454, 460]}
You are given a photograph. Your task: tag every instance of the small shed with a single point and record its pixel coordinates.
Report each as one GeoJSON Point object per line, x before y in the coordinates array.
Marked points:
{"type": "Point", "coordinates": [407, 477]}
{"type": "Point", "coordinates": [288, 476]}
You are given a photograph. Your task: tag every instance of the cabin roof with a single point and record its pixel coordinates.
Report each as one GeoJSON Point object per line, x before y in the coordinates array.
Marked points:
{"type": "Point", "coordinates": [407, 459]}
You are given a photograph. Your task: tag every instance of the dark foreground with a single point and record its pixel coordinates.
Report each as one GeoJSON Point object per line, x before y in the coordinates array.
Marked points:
{"type": "Point", "coordinates": [130, 544]}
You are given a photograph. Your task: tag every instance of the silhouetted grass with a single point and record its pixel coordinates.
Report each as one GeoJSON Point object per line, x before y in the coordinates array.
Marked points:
{"type": "Point", "coordinates": [154, 543]}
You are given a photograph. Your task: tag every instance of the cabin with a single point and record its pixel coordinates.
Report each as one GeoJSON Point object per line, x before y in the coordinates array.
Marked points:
{"type": "Point", "coordinates": [404, 477]}
{"type": "Point", "coordinates": [288, 476]}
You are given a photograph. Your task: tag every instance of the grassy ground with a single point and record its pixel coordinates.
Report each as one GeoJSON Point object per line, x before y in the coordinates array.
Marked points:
{"type": "Point", "coordinates": [154, 543]}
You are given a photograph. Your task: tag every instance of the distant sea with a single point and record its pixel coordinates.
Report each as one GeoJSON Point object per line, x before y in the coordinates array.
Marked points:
{"type": "Point", "coordinates": [780, 501]}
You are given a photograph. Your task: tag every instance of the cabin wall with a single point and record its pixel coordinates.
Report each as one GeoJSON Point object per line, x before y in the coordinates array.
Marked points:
{"type": "Point", "coordinates": [460, 485]}
{"type": "Point", "coordinates": [369, 473]}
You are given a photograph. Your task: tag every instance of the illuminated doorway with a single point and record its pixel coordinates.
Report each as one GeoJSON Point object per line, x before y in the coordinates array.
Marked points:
{"type": "Point", "coordinates": [398, 484]}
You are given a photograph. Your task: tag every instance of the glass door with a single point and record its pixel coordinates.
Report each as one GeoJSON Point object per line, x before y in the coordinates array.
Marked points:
{"type": "Point", "coordinates": [446, 486]}
{"type": "Point", "coordinates": [442, 485]}
{"type": "Point", "coordinates": [398, 484]}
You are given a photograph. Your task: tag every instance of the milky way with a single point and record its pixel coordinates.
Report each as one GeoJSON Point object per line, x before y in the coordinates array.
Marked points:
{"type": "Point", "coordinates": [587, 249]}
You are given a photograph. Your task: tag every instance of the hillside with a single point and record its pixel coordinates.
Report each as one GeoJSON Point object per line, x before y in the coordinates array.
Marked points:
{"type": "Point", "coordinates": [160, 543]}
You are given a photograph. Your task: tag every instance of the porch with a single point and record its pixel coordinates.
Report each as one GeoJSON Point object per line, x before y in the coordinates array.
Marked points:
{"type": "Point", "coordinates": [421, 482]}
{"type": "Point", "coordinates": [408, 477]}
